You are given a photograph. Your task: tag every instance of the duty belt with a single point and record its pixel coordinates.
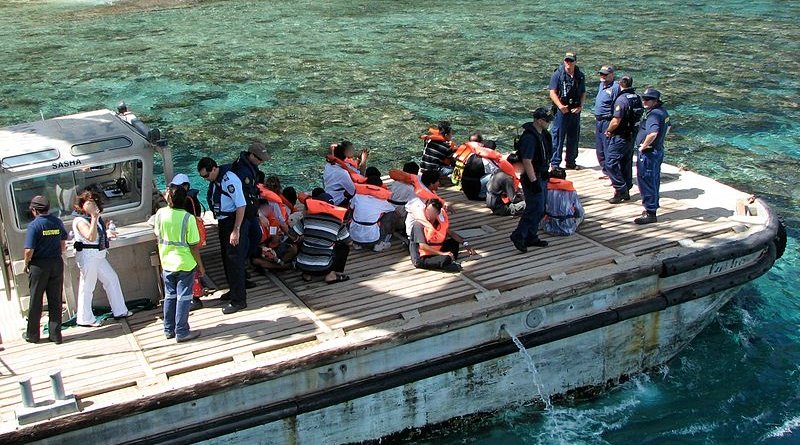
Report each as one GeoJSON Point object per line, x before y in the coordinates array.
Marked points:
{"type": "Point", "coordinates": [604, 117]}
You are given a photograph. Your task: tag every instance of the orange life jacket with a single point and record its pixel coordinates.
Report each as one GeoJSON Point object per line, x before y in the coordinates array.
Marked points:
{"type": "Point", "coordinates": [560, 184]}
{"type": "Point", "coordinates": [434, 236]}
{"type": "Point", "coordinates": [373, 190]}
{"type": "Point", "coordinates": [354, 175]}
{"type": "Point", "coordinates": [274, 198]}
{"type": "Point", "coordinates": [420, 190]}
{"type": "Point", "coordinates": [464, 150]}
{"type": "Point", "coordinates": [435, 135]}
{"type": "Point", "coordinates": [502, 163]}
{"type": "Point", "coordinates": [315, 207]}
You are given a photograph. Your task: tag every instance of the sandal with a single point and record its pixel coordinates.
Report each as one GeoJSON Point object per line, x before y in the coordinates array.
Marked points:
{"type": "Point", "coordinates": [339, 279]}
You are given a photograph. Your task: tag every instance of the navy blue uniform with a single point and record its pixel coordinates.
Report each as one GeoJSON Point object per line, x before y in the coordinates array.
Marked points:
{"type": "Point", "coordinates": [566, 126]}
{"type": "Point", "coordinates": [247, 173]}
{"type": "Point", "coordinates": [603, 112]}
{"type": "Point", "coordinates": [225, 195]}
{"type": "Point", "coordinates": [44, 236]}
{"type": "Point", "coordinates": [533, 146]}
{"type": "Point", "coordinates": [619, 152]}
{"type": "Point", "coordinates": [648, 163]}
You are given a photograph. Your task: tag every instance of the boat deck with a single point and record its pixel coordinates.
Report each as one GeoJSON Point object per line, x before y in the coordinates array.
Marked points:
{"type": "Point", "coordinates": [288, 318]}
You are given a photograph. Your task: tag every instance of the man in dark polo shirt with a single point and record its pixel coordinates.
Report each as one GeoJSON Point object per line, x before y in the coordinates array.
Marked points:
{"type": "Point", "coordinates": [44, 243]}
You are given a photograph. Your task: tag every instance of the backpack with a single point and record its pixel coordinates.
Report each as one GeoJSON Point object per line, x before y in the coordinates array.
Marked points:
{"type": "Point", "coordinates": [630, 122]}
{"type": "Point", "coordinates": [248, 188]}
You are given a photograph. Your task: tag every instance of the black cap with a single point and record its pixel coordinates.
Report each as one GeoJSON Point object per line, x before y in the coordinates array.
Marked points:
{"type": "Point", "coordinates": [542, 113]}
{"type": "Point", "coordinates": [570, 56]}
{"type": "Point", "coordinates": [40, 203]}
{"type": "Point", "coordinates": [606, 69]}
{"type": "Point", "coordinates": [626, 79]}
{"type": "Point", "coordinates": [651, 93]}
{"type": "Point", "coordinates": [122, 106]}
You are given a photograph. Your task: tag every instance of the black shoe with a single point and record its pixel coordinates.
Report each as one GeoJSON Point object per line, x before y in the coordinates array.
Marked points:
{"type": "Point", "coordinates": [247, 275]}
{"type": "Point", "coordinates": [190, 336]}
{"type": "Point", "coordinates": [232, 308]}
{"type": "Point", "coordinates": [226, 296]}
{"type": "Point", "coordinates": [196, 304]}
{"type": "Point", "coordinates": [536, 243]}
{"type": "Point", "coordinates": [646, 218]}
{"type": "Point", "coordinates": [519, 245]}
{"type": "Point", "coordinates": [573, 167]}
{"type": "Point", "coordinates": [29, 339]}
{"type": "Point", "coordinates": [249, 284]}
{"type": "Point", "coordinates": [619, 197]}
{"type": "Point", "coordinates": [169, 335]}
{"type": "Point", "coordinates": [56, 339]}
{"type": "Point", "coordinates": [452, 267]}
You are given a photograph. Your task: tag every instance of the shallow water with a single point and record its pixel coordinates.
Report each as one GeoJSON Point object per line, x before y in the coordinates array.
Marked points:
{"type": "Point", "coordinates": [299, 75]}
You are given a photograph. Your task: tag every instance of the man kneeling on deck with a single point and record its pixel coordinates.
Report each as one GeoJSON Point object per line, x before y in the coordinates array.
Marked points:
{"type": "Point", "coordinates": [429, 245]}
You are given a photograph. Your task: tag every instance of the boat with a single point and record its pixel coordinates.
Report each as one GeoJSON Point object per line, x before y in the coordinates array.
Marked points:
{"type": "Point", "coordinates": [398, 349]}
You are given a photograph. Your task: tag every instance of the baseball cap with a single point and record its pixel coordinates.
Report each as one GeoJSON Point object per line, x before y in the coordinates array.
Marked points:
{"type": "Point", "coordinates": [606, 69]}
{"type": "Point", "coordinates": [180, 179]}
{"type": "Point", "coordinates": [542, 113]}
{"type": "Point", "coordinates": [651, 93]}
{"type": "Point", "coordinates": [40, 203]}
{"type": "Point", "coordinates": [571, 56]}
{"type": "Point", "coordinates": [259, 150]}
{"type": "Point", "coordinates": [325, 197]}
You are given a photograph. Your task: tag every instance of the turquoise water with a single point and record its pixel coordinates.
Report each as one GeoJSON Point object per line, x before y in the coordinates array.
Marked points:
{"type": "Point", "coordinates": [300, 75]}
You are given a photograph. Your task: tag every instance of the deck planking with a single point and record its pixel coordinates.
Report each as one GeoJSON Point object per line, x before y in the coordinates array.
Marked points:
{"type": "Point", "coordinates": [286, 315]}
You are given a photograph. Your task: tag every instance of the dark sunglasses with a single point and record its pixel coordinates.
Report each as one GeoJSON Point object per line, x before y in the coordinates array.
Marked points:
{"type": "Point", "coordinates": [569, 60]}
{"type": "Point", "coordinates": [205, 176]}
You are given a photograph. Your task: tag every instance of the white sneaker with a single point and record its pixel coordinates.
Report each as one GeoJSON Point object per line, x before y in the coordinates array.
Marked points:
{"type": "Point", "coordinates": [381, 246]}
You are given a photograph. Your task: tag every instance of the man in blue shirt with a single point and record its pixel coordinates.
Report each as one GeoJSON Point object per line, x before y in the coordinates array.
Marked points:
{"type": "Point", "coordinates": [620, 132]}
{"type": "Point", "coordinates": [607, 93]}
{"type": "Point", "coordinates": [45, 239]}
{"type": "Point", "coordinates": [568, 93]}
{"type": "Point", "coordinates": [650, 144]}
{"type": "Point", "coordinates": [226, 199]}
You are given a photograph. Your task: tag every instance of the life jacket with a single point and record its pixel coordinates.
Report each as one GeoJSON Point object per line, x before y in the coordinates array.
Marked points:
{"type": "Point", "coordinates": [273, 198]}
{"type": "Point", "coordinates": [502, 163]}
{"type": "Point", "coordinates": [421, 191]}
{"type": "Point", "coordinates": [434, 236]}
{"type": "Point", "coordinates": [374, 191]}
{"type": "Point", "coordinates": [436, 136]}
{"type": "Point", "coordinates": [563, 211]}
{"type": "Point", "coordinates": [356, 177]}
{"type": "Point", "coordinates": [315, 207]}
{"type": "Point", "coordinates": [462, 155]}
{"type": "Point", "coordinates": [102, 233]}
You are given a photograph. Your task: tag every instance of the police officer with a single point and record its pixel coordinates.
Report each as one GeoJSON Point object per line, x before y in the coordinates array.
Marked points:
{"type": "Point", "coordinates": [45, 239]}
{"type": "Point", "coordinates": [534, 147]}
{"type": "Point", "coordinates": [246, 168]}
{"type": "Point", "coordinates": [568, 93]}
{"type": "Point", "coordinates": [650, 145]}
{"type": "Point", "coordinates": [607, 93]}
{"type": "Point", "coordinates": [620, 131]}
{"type": "Point", "coordinates": [226, 199]}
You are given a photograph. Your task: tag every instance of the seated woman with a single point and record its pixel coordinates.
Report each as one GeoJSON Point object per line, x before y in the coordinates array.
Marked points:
{"type": "Point", "coordinates": [503, 195]}
{"type": "Point", "coordinates": [374, 218]}
{"type": "Point", "coordinates": [276, 250]}
{"type": "Point", "coordinates": [324, 240]}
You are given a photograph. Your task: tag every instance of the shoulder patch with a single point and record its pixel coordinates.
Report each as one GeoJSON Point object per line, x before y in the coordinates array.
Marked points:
{"type": "Point", "coordinates": [617, 108]}
{"type": "Point", "coordinates": [231, 188]}
{"type": "Point", "coordinates": [247, 180]}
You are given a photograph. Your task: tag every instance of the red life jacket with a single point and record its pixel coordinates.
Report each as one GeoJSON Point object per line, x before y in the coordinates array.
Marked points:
{"type": "Point", "coordinates": [434, 236]}
{"type": "Point", "coordinates": [560, 184]}
{"type": "Point", "coordinates": [374, 191]}
{"type": "Point", "coordinates": [435, 135]}
{"type": "Point", "coordinates": [420, 190]}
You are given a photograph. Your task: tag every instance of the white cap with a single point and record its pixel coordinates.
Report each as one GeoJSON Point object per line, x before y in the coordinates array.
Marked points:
{"type": "Point", "coordinates": [180, 179]}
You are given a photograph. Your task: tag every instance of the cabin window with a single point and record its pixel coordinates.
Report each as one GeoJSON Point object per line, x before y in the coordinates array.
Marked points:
{"type": "Point", "coordinates": [50, 154]}
{"type": "Point", "coordinates": [119, 185]}
{"type": "Point", "coordinates": [99, 146]}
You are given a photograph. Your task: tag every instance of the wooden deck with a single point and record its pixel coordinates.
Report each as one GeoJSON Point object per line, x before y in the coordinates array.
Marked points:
{"type": "Point", "coordinates": [287, 317]}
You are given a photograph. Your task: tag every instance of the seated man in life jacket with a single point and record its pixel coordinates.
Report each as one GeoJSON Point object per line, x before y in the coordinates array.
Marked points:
{"type": "Point", "coordinates": [481, 161]}
{"type": "Point", "coordinates": [402, 192]}
{"type": "Point", "coordinates": [374, 218]}
{"type": "Point", "coordinates": [438, 149]}
{"type": "Point", "coordinates": [324, 239]}
{"type": "Point", "coordinates": [338, 177]}
{"type": "Point", "coordinates": [357, 165]}
{"type": "Point", "coordinates": [563, 209]}
{"type": "Point", "coordinates": [432, 245]}
{"type": "Point", "coordinates": [503, 195]}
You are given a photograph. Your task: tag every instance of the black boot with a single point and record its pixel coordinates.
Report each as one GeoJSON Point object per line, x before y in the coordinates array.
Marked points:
{"type": "Point", "coordinates": [619, 197]}
{"type": "Point", "coordinates": [196, 304]}
{"type": "Point", "coordinates": [646, 218]}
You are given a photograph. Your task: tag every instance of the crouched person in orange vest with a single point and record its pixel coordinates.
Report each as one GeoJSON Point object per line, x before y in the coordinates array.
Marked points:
{"type": "Point", "coordinates": [431, 243]}
{"type": "Point", "coordinates": [325, 242]}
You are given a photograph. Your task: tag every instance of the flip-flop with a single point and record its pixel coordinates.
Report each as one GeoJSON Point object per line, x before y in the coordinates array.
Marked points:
{"type": "Point", "coordinates": [339, 278]}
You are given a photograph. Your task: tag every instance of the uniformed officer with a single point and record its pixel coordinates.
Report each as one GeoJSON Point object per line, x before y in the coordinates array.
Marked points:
{"type": "Point", "coordinates": [607, 93]}
{"type": "Point", "coordinates": [568, 93]}
{"type": "Point", "coordinates": [620, 132]}
{"type": "Point", "coordinates": [45, 239]}
{"type": "Point", "coordinates": [246, 168]}
{"type": "Point", "coordinates": [650, 144]}
{"type": "Point", "coordinates": [226, 199]}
